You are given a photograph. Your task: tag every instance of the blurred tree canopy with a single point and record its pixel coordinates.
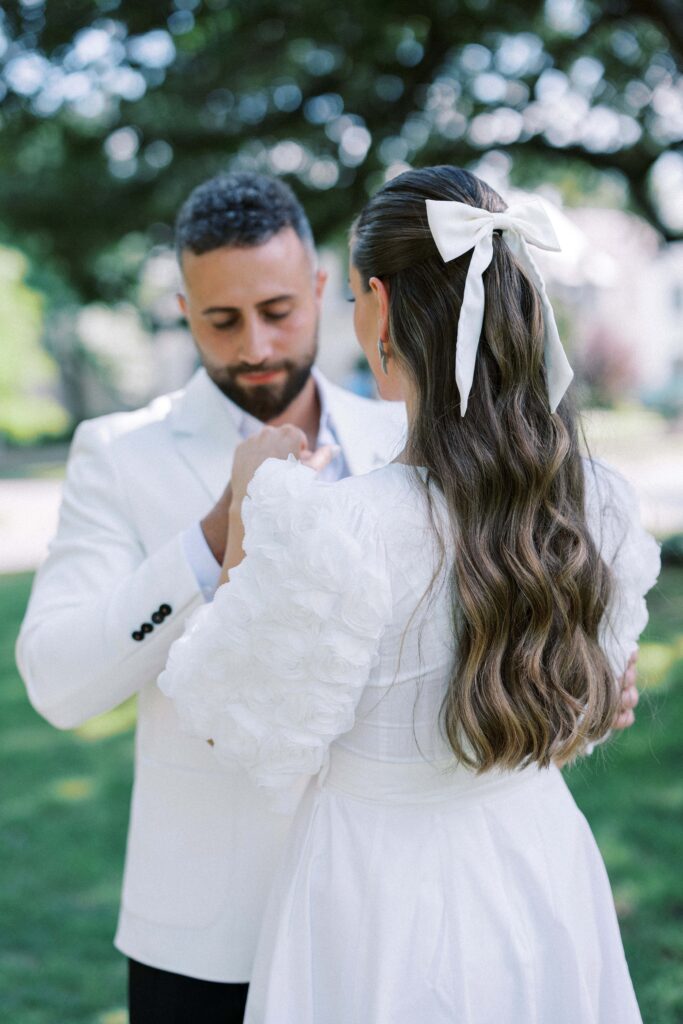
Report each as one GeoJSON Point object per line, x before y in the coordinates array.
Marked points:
{"type": "Point", "coordinates": [111, 111]}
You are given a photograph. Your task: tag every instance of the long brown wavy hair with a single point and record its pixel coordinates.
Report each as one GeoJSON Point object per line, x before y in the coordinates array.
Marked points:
{"type": "Point", "coordinates": [528, 588]}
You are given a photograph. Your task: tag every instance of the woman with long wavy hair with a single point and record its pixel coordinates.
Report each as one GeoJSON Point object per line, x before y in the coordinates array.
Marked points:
{"type": "Point", "coordinates": [428, 645]}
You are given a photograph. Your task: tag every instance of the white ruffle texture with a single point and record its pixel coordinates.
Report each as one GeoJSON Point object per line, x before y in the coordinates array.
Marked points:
{"type": "Point", "coordinates": [273, 668]}
{"type": "Point", "coordinates": [613, 515]}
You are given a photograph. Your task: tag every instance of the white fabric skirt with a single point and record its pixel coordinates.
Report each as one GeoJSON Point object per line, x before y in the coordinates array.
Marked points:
{"type": "Point", "coordinates": [408, 894]}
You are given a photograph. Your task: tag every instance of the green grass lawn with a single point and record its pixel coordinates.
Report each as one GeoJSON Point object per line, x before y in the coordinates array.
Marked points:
{"type": "Point", "coordinates": [64, 807]}
{"type": "Point", "coordinates": [63, 815]}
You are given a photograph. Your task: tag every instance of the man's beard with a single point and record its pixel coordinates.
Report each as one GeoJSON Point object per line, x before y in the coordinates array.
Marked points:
{"type": "Point", "coordinates": [263, 401]}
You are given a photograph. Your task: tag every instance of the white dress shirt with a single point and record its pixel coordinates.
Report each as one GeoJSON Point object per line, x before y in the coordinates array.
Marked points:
{"type": "Point", "coordinates": [197, 552]}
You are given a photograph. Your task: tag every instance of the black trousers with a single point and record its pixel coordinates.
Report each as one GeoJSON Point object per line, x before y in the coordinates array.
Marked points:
{"type": "Point", "coordinates": [160, 997]}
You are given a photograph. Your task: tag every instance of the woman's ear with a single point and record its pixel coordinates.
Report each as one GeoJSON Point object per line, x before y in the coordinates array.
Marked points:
{"type": "Point", "coordinates": [381, 293]}
{"type": "Point", "coordinates": [319, 284]}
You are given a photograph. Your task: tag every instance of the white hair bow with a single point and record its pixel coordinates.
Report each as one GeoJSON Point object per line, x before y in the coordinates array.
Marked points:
{"type": "Point", "coordinates": [457, 228]}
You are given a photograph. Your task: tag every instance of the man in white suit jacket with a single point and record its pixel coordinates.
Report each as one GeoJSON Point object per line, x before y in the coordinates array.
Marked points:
{"type": "Point", "coordinates": [141, 536]}
{"type": "Point", "coordinates": [130, 563]}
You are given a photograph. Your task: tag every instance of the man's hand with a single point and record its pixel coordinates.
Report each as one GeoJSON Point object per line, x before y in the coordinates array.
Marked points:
{"type": "Point", "coordinates": [629, 695]}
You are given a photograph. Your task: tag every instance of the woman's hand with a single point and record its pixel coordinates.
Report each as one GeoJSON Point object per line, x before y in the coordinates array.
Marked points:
{"type": "Point", "coordinates": [273, 442]}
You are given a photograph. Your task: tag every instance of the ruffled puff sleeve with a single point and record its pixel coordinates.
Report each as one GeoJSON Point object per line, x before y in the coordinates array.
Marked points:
{"type": "Point", "coordinates": [273, 668]}
{"type": "Point", "coordinates": [633, 554]}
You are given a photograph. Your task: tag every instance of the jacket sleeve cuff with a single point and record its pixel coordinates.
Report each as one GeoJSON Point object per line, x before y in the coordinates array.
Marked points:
{"type": "Point", "coordinates": [120, 642]}
{"type": "Point", "coordinates": [200, 558]}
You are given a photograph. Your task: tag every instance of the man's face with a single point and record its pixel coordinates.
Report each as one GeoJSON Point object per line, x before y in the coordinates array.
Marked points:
{"type": "Point", "coordinates": [254, 314]}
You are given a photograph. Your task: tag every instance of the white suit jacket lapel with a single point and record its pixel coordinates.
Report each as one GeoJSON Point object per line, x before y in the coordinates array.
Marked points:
{"type": "Point", "coordinates": [205, 433]}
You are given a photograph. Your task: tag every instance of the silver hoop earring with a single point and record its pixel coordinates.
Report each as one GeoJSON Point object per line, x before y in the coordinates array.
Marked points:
{"type": "Point", "coordinates": [382, 356]}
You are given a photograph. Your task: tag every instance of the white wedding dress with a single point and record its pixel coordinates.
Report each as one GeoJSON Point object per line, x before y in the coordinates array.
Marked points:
{"type": "Point", "coordinates": [411, 891]}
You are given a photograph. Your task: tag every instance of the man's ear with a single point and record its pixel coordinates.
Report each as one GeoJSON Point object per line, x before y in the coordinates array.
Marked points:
{"type": "Point", "coordinates": [182, 303]}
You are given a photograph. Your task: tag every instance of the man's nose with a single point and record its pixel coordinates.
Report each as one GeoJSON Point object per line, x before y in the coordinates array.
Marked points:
{"type": "Point", "coordinates": [256, 342]}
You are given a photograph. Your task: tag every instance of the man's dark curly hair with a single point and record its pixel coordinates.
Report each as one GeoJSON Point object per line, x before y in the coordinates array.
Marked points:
{"type": "Point", "coordinates": [238, 209]}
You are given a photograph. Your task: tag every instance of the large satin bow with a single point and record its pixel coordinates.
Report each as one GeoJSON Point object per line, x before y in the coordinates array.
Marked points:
{"type": "Point", "coordinates": [457, 228]}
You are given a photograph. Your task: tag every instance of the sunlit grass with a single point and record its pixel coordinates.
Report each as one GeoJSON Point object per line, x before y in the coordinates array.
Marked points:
{"type": "Point", "coordinates": [114, 1017]}
{"type": "Point", "coordinates": [73, 790]}
{"type": "Point", "coordinates": [114, 723]}
{"type": "Point", "coordinates": [64, 808]}
{"type": "Point", "coordinates": [655, 660]}
{"type": "Point", "coordinates": [63, 815]}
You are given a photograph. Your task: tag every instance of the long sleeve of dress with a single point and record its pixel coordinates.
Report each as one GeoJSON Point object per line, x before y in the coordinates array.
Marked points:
{"type": "Point", "coordinates": [273, 669]}
{"type": "Point", "coordinates": [613, 516]}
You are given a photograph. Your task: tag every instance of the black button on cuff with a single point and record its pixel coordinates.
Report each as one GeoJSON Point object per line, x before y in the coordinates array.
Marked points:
{"type": "Point", "coordinates": [157, 617]}
{"type": "Point", "coordinates": [146, 627]}
{"type": "Point", "coordinates": [165, 609]}
{"type": "Point", "coordinates": [138, 635]}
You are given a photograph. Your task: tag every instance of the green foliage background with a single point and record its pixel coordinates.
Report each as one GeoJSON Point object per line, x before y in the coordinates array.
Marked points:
{"type": "Point", "coordinates": [27, 374]}
{"type": "Point", "coordinates": [199, 86]}
{"type": "Point", "coordinates": [111, 111]}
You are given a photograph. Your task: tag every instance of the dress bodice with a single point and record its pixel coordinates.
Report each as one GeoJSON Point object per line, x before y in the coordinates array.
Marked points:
{"type": "Point", "coordinates": [397, 716]}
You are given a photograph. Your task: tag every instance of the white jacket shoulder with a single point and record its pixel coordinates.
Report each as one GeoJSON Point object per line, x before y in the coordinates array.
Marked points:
{"type": "Point", "coordinates": [111, 426]}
